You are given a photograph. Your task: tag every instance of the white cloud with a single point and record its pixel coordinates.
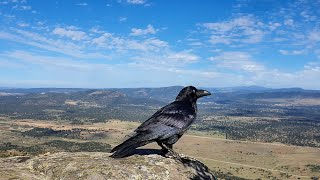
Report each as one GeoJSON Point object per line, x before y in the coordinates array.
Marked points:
{"type": "Point", "coordinates": [283, 52]}
{"type": "Point", "coordinates": [167, 60]}
{"type": "Point", "coordinates": [22, 24]}
{"type": "Point", "coordinates": [231, 56]}
{"type": "Point", "coordinates": [237, 61]}
{"type": "Point", "coordinates": [294, 52]}
{"type": "Point", "coordinates": [69, 72]}
{"type": "Point", "coordinates": [40, 23]}
{"type": "Point", "coordinates": [140, 32]}
{"type": "Point", "coordinates": [100, 41]}
{"type": "Point", "coordinates": [317, 52]}
{"type": "Point", "coordinates": [112, 42]}
{"type": "Point", "coordinates": [312, 67]}
{"type": "Point", "coordinates": [79, 51]}
{"type": "Point", "coordinates": [73, 34]}
{"type": "Point", "coordinates": [97, 30]}
{"type": "Point", "coordinates": [156, 42]}
{"type": "Point", "coordinates": [53, 45]}
{"type": "Point", "coordinates": [195, 43]}
{"type": "Point", "coordinates": [9, 64]}
{"type": "Point", "coordinates": [25, 7]}
{"type": "Point", "coordinates": [245, 29]}
{"type": "Point", "coordinates": [220, 39]}
{"type": "Point", "coordinates": [274, 26]}
{"type": "Point", "coordinates": [9, 16]}
{"type": "Point", "coordinates": [304, 78]}
{"type": "Point", "coordinates": [289, 22]}
{"type": "Point", "coordinates": [136, 1]}
{"type": "Point", "coordinates": [307, 16]}
{"type": "Point", "coordinates": [242, 62]}
{"type": "Point", "coordinates": [151, 44]}
{"type": "Point", "coordinates": [82, 4]}
{"type": "Point", "coordinates": [45, 60]}
{"type": "Point", "coordinates": [253, 35]}
{"type": "Point", "coordinates": [222, 27]}
{"type": "Point", "coordinates": [22, 7]}
{"type": "Point", "coordinates": [183, 56]}
{"type": "Point", "coordinates": [314, 36]}
{"type": "Point", "coordinates": [123, 19]}
{"type": "Point", "coordinates": [18, 1]}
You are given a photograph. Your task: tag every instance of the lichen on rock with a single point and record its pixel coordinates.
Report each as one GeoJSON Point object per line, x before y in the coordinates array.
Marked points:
{"type": "Point", "coordinates": [99, 166]}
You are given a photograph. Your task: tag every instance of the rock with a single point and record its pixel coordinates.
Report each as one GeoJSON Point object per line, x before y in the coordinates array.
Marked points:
{"type": "Point", "coordinates": [99, 166]}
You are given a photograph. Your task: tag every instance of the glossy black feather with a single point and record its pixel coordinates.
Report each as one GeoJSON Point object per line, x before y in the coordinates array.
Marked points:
{"type": "Point", "coordinates": [165, 126]}
{"type": "Point", "coordinates": [178, 114]}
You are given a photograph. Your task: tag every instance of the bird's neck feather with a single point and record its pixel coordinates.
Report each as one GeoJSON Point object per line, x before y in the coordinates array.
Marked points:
{"type": "Point", "coordinates": [190, 102]}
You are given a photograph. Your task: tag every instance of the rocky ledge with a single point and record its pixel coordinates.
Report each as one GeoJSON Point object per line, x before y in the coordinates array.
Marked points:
{"type": "Point", "coordinates": [96, 166]}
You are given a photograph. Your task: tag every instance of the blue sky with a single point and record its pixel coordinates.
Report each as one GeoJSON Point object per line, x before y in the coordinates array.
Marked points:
{"type": "Point", "coordinates": [149, 43]}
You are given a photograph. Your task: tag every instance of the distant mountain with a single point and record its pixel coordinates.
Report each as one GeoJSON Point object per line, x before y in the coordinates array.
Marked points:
{"type": "Point", "coordinates": [239, 89]}
{"type": "Point", "coordinates": [165, 94]}
{"type": "Point", "coordinates": [112, 97]}
{"type": "Point", "coordinates": [295, 89]}
{"type": "Point", "coordinates": [10, 94]}
{"type": "Point", "coordinates": [288, 93]}
{"type": "Point", "coordinates": [5, 88]}
{"type": "Point", "coordinates": [259, 89]}
{"type": "Point", "coordinates": [78, 107]}
{"type": "Point", "coordinates": [96, 105]}
{"type": "Point", "coordinates": [41, 90]}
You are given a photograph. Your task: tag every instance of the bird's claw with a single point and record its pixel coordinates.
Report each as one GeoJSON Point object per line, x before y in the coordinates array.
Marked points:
{"type": "Point", "coordinates": [173, 154]}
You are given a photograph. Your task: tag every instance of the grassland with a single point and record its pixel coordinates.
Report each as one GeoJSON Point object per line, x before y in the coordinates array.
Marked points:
{"type": "Point", "coordinates": [251, 160]}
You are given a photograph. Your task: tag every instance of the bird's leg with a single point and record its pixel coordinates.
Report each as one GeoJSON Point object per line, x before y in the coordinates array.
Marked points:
{"type": "Point", "coordinates": [164, 150]}
{"type": "Point", "coordinates": [169, 149]}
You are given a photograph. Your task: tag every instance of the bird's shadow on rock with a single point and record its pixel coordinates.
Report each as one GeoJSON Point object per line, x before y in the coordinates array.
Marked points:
{"type": "Point", "coordinates": [147, 152]}
{"type": "Point", "coordinates": [202, 171]}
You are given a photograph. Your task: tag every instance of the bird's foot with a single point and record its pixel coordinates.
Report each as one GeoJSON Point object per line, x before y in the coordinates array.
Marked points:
{"type": "Point", "coordinates": [173, 154]}
{"type": "Point", "coordinates": [168, 152]}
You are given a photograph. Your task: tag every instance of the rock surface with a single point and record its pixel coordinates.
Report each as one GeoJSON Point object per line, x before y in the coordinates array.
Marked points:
{"type": "Point", "coordinates": [96, 166]}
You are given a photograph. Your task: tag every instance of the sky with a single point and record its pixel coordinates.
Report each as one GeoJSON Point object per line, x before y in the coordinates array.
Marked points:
{"type": "Point", "coordinates": [157, 43]}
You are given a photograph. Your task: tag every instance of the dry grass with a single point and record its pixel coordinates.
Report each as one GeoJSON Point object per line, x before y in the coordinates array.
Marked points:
{"type": "Point", "coordinates": [71, 102]}
{"type": "Point", "coordinates": [241, 158]}
{"type": "Point", "coordinates": [109, 125]}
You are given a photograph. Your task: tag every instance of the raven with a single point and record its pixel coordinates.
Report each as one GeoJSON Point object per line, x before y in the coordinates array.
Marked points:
{"type": "Point", "coordinates": [166, 126]}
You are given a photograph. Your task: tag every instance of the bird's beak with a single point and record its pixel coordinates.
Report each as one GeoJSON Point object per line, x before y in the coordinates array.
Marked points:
{"type": "Point", "coordinates": [201, 93]}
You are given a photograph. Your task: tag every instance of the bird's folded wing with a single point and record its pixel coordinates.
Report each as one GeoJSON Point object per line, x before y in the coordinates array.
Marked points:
{"type": "Point", "coordinates": [170, 116]}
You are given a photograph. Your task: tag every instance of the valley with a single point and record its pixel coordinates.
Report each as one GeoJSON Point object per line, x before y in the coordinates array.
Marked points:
{"type": "Point", "coordinates": [228, 158]}
{"type": "Point", "coordinates": [239, 134]}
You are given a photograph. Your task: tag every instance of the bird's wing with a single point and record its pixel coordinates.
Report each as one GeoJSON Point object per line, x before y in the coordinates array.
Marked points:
{"type": "Point", "coordinates": [174, 116]}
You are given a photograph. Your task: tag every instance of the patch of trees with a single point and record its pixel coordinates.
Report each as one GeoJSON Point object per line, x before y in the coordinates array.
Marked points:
{"type": "Point", "coordinates": [52, 107]}
{"type": "Point", "coordinates": [79, 147]}
{"type": "Point", "coordinates": [314, 167]}
{"type": "Point", "coordinates": [295, 131]}
{"type": "Point", "coordinates": [57, 146]}
{"type": "Point", "coordinates": [41, 132]}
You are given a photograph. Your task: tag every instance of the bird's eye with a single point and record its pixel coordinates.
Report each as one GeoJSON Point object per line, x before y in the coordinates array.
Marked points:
{"type": "Point", "coordinates": [193, 91]}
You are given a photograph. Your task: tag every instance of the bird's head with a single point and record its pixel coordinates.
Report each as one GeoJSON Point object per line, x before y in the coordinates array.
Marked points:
{"type": "Point", "coordinates": [191, 93]}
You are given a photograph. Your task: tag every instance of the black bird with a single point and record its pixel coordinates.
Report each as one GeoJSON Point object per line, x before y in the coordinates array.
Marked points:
{"type": "Point", "coordinates": [166, 126]}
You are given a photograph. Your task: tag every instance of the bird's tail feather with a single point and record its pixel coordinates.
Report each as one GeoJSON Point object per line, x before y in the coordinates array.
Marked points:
{"type": "Point", "coordinates": [127, 147]}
